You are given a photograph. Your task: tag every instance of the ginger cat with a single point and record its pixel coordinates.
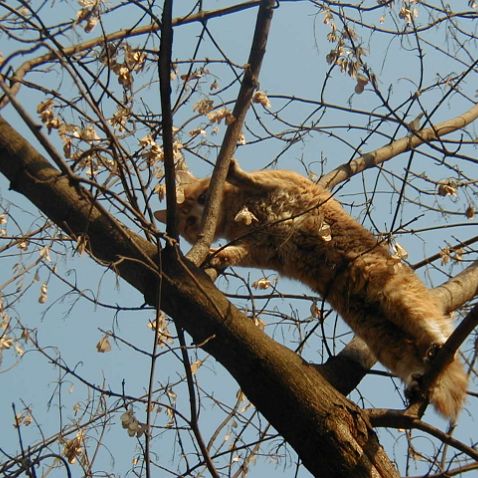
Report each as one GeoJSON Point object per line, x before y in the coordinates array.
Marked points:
{"type": "Point", "coordinates": [280, 220]}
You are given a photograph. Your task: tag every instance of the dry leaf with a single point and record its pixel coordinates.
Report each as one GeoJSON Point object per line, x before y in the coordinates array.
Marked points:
{"type": "Point", "coordinates": [325, 232]}
{"type": "Point", "coordinates": [221, 114]}
{"type": "Point", "coordinates": [262, 284]}
{"type": "Point", "coordinates": [104, 345]}
{"type": "Point", "coordinates": [399, 252]}
{"type": "Point", "coordinates": [261, 98]}
{"type": "Point", "coordinates": [245, 217]}
{"type": "Point", "coordinates": [445, 255]}
{"type": "Point", "coordinates": [447, 188]}
{"type": "Point", "coordinates": [43, 293]}
{"type": "Point", "coordinates": [315, 310]}
{"type": "Point", "coordinates": [195, 366]}
{"type": "Point", "coordinates": [470, 212]}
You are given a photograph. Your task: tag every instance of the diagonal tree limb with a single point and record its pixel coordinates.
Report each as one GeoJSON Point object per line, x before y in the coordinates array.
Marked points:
{"type": "Point", "coordinates": [356, 357]}
{"type": "Point", "coordinates": [331, 435]}
{"type": "Point", "coordinates": [385, 153]}
{"type": "Point", "coordinates": [229, 144]}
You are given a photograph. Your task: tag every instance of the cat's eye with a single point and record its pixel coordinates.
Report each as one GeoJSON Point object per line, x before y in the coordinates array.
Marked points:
{"type": "Point", "coordinates": [202, 198]}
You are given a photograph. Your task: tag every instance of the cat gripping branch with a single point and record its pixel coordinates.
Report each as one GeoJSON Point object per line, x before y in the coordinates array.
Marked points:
{"type": "Point", "coordinates": [280, 220]}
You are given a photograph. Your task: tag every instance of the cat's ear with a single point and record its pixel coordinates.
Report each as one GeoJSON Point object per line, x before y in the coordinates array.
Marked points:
{"type": "Point", "coordinates": [234, 170]}
{"type": "Point", "coordinates": [161, 215]}
{"type": "Point", "coordinates": [239, 177]}
{"type": "Point", "coordinates": [185, 177]}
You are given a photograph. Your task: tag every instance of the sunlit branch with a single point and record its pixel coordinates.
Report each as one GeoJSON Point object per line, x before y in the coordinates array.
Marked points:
{"type": "Point", "coordinates": [390, 151]}
{"type": "Point", "coordinates": [229, 144]}
{"type": "Point", "coordinates": [459, 289]}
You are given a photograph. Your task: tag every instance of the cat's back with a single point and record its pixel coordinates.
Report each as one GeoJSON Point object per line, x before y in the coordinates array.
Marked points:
{"type": "Point", "coordinates": [290, 190]}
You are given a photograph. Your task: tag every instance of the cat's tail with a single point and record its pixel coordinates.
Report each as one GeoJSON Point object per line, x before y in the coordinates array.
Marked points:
{"type": "Point", "coordinates": [449, 391]}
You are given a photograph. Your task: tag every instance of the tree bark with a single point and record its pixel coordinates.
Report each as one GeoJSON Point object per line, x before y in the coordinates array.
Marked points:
{"type": "Point", "coordinates": [459, 289]}
{"type": "Point", "coordinates": [331, 435]}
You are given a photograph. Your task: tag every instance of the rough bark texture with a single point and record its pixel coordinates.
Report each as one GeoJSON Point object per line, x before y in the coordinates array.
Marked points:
{"type": "Point", "coordinates": [332, 436]}
{"type": "Point", "coordinates": [346, 370]}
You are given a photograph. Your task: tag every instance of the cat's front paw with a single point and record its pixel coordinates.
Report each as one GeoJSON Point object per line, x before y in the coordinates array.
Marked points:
{"type": "Point", "coordinates": [227, 256]}
{"type": "Point", "coordinates": [223, 257]}
{"type": "Point", "coordinates": [414, 391]}
{"type": "Point", "coordinates": [217, 258]}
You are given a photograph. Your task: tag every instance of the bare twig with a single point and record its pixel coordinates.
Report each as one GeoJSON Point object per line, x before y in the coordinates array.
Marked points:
{"type": "Point", "coordinates": [402, 419]}
{"type": "Point", "coordinates": [53, 55]}
{"type": "Point", "coordinates": [438, 255]}
{"type": "Point", "coordinates": [193, 405]}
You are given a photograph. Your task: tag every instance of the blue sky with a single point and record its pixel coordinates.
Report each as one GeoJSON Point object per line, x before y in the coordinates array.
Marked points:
{"type": "Point", "coordinates": [294, 65]}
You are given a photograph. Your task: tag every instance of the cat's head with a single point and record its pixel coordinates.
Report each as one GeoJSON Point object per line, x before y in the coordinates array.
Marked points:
{"type": "Point", "coordinates": [191, 200]}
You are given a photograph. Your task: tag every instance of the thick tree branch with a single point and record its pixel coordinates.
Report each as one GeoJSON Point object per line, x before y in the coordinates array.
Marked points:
{"type": "Point", "coordinates": [229, 144]}
{"type": "Point", "coordinates": [459, 289]}
{"type": "Point", "coordinates": [347, 369]}
{"type": "Point", "coordinates": [331, 435]}
{"type": "Point", "coordinates": [380, 155]}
